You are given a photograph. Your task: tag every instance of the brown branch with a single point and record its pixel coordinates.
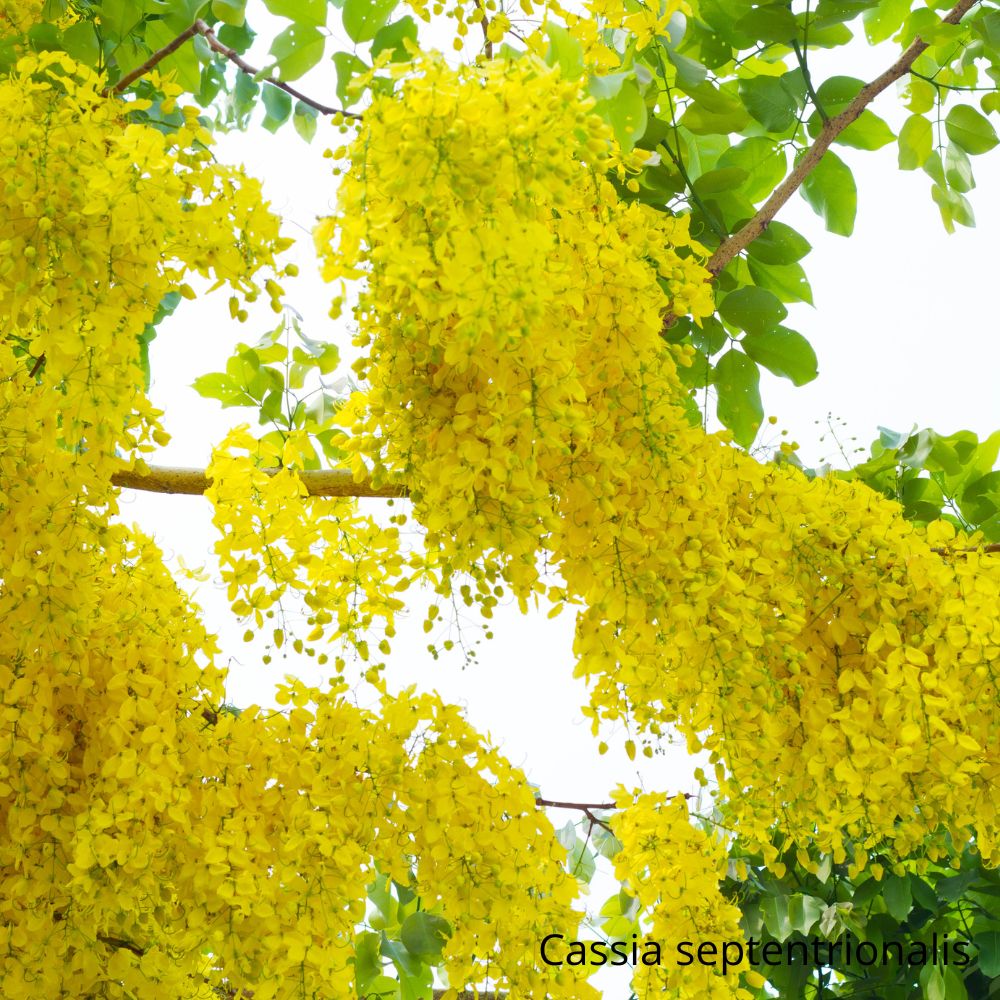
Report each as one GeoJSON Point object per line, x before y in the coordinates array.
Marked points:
{"type": "Point", "coordinates": [115, 942]}
{"type": "Point", "coordinates": [194, 482]}
{"type": "Point", "coordinates": [738, 242]}
{"type": "Point", "coordinates": [584, 806]}
{"type": "Point", "coordinates": [201, 28]}
{"type": "Point", "coordinates": [988, 547]}
{"type": "Point", "coordinates": [487, 44]}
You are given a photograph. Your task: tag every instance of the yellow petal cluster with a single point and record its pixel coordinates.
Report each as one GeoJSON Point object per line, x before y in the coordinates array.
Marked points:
{"type": "Point", "coordinates": [837, 667]}
{"type": "Point", "coordinates": [674, 869]}
{"type": "Point", "coordinates": [16, 16]}
{"type": "Point", "coordinates": [155, 844]}
{"type": "Point", "coordinates": [275, 540]}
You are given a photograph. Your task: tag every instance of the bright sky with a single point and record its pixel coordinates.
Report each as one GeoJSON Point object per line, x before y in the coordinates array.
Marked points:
{"type": "Point", "coordinates": [904, 332]}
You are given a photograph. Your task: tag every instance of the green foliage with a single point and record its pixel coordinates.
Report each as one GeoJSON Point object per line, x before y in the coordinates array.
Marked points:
{"type": "Point", "coordinates": [907, 912]}
{"type": "Point", "coordinates": [364, 18]}
{"type": "Point", "coordinates": [282, 377]}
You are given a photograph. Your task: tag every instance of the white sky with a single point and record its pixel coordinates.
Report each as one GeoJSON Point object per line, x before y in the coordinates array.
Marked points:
{"type": "Point", "coordinates": [906, 333]}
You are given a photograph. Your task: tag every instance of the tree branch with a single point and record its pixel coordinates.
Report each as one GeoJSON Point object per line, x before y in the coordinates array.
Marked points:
{"type": "Point", "coordinates": [194, 482]}
{"type": "Point", "coordinates": [201, 28]}
{"type": "Point", "coordinates": [116, 942]}
{"type": "Point", "coordinates": [831, 129]}
{"type": "Point", "coordinates": [584, 806]}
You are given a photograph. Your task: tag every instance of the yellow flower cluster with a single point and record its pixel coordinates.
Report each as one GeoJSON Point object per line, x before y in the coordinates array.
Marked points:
{"type": "Point", "coordinates": [595, 29]}
{"type": "Point", "coordinates": [156, 845]}
{"type": "Point", "coordinates": [674, 871]}
{"type": "Point", "coordinates": [16, 16]}
{"type": "Point", "coordinates": [522, 292]}
{"type": "Point", "coordinates": [838, 669]}
{"type": "Point", "coordinates": [274, 538]}
{"type": "Point", "coordinates": [104, 218]}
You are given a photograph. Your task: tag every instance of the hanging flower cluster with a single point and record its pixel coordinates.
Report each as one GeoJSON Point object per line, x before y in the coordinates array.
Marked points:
{"type": "Point", "coordinates": [275, 539]}
{"type": "Point", "coordinates": [155, 844]}
{"type": "Point", "coordinates": [673, 870]}
{"type": "Point", "coordinates": [838, 669]}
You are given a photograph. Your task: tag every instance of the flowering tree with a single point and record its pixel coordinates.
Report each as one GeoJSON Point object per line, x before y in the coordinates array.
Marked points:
{"type": "Point", "coordinates": [548, 243]}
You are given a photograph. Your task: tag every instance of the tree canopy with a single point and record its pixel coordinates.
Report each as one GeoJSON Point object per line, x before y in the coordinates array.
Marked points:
{"type": "Point", "coordinates": [549, 240]}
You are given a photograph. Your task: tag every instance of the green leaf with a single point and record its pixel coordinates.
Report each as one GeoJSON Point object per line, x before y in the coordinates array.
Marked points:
{"type": "Point", "coordinates": [119, 18]}
{"type": "Point", "coordinates": [897, 896]}
{"type": "Point", "coordinates": [239, 39]}
{"type": "Point", "coordinates": [232, 12]}
{"type": "Point", "coordinates": [44, 37]}
{"type": "Point", "coordinates": [278, 105]}
{"type": "Point", "coordinates": [831, 193]}
{"type": "Point", "coordinates": [363, 18]}
{"type": "Point", "coordinates": [755, 310]}
{"type": "Point", "coordinates": [980, 500]}
{"type": "Point", "coordinates": [604, 87]}
{"type": "Point", "coordinates": [710, 338]}
{"type": "Point", "coordinates": [367, 962]}
{"type": "Point", "coordinates": [297, 49]}
{"type": "Point", "coordinates": [690, 72]}
{"type": "Point", "coordinates": [988, 950]}
{"type": "Point", "coordinates": [763, 160]}
{"type": "Point", "coordinates": [723, 179]}
{"type": "Point", "coordinates": [787, 281]}
{"type": "Point", "coordinates": [770, 102]}
{"type": "Point", "coordinates": [625, 113]}
{"type": "Point", "coordinates": [867, 131]}
{"type": "Point", "coordinates": [222, 387]}
{"type": "Point", "coordinates": [885, 19]}
{"type": "Point", "coordinates": [304, 120]}
{"type": "Point", "coordinates": [739, 408]}
{"type": "Point", "coordinates": [954, 208]}
{"type": "Point", "coordinates": [916, 140]}
{"type": "Point", "coordinates": [967, 128]}
{"type": "Point", "coordinates": [958, 169]}
{"type": "Point", "coordinates": [714, 112]}
{"type": "Point", "coordinates": [774, 910]}
{"type": "Point", "coordinates": [348, 66]}
{"type": "Point", "coordinates": [779, 244]}
{"type": "Point", "coordinates": [80, 41]}
{"type": "Point", "coordinates": [564, 51]}
{"type": "Point", "coordinates": [932, 983]}
{"type": "Point", "coordinates": [772, 22]}
{"type": "Point", "coordinates": [837, 92]}
{"type": "Point", "coordinates": [783, 352]}
{"type": "Point", "coordinates": [803, 912]}
{"type": "Point", "coordinates": [305, 12]}
{"type": "Point", "coordinates": [392, 37]}
{"type": "Point", "coordinates": [243, 96]}
{"type": "Point", "coordinates": [424, 934]}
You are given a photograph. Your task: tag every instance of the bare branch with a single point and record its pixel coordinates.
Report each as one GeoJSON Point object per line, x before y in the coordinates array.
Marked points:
{"type": "Point", "coordinates": [194, 482]}
{"type": "Point", "coordinates": [584, 806]}
{"type": "Point", "coordinates": [201, 28]}
{"type": "Point", "coordinates": [831, 129]}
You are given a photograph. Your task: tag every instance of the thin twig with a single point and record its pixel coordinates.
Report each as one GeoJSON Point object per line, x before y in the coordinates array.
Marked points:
{"type": "Point", "coordinates": [121, 943]}
{"type": "Point", "coordinates": [807, 79]}
{"type": "Point", "coordinates": [201, 28]}
{"type": "Point", "coordinates": [488, 45]}
{"type": "Point", "coordinates": [739, 241]}
{"type": "Point", "coordinates": [584, 806]}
